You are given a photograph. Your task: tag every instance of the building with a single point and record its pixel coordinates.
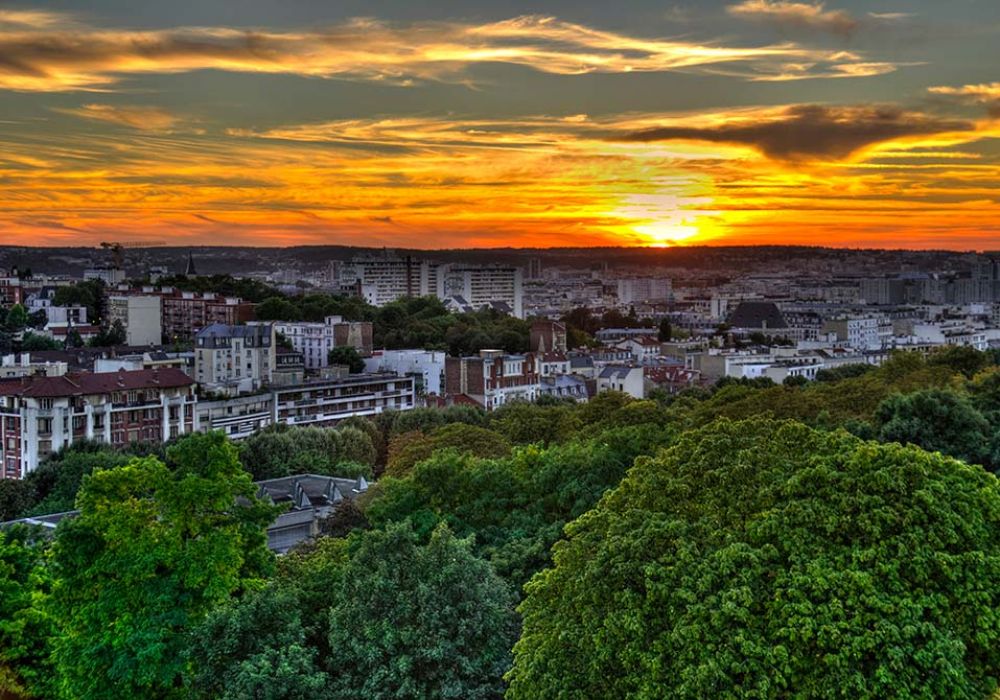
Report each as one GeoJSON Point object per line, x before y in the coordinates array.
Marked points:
{"type": "Point", "coordinates": [185, 313]}
{"type": "Point", "coordinates": [548, 336]}
{"type": "Point", "coordinates": [326, 402]}
{"type": "Point", "coordinates": [425, 366]}
{"type": "Point", "coordinates": [860, 333]}
{"type": "Point", "coordinates": [628, 380]}
{"type": "Point", "coordinates": [493, 378]}
{"type": "Point", "coordinates": [316, 340]}
{"type": "Point", "coordinates": [309, 500]}
{"type": "Point", "coordinates": [24, 365]}
{"type": "Point", "coordinates": [762, 316]}
{"type": "Point", "coordinates": [40, 415]}
{"type": "Point", "coordinates": [139, 316]}
{"type": "Point", "coordinates": [111, 276]}
{"type": "Point", "coordinates": [385, 279]}
{"type": "Point", "coordinates": [551, 364]}
{"type": "Point", "coordinates": [235, 359]}
{"type": "Point", "coordinates": [11, 291]}
{"type": "Point", "coordinates": [289, 367]}
{"type": "Point", "coordinates": [485, 286]}
{"type": "Point", "coordinates": [534, 269]}
{"type": "Point", "coordinates": [238, 417]}
{"type": "Point", "coordinates": [564, 386]}
{"type": "Point", "coordinates": [643, 348]}
{"type": "Point", "coordinates": [882, 291]}
{"type": "Point", "coordinates": [637, 290]}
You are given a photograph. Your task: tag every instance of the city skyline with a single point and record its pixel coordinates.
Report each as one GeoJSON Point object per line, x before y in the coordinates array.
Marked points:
{"type": "Point", "coordinates": [854, 124]}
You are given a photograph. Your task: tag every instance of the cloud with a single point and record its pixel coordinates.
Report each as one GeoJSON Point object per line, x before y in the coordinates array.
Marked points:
{"type": "Point", "coordinates": [796, 15]}
{"type": "Point", "coordinates": [807, 132]}
{"type": "Point", "coordinates": [987, 94]}
{"type": "Point", "coordinates": [146, 118]}
{"type": "Point", "coordinates": [37, 54]}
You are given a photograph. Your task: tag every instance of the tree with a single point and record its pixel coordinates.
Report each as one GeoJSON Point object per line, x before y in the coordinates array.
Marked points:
{"type": "Point", "coordinates": [349, 356]}
{"type": "Point", "coordinates": [89, 293]}
{"type": "Point", "coordinates": [281, 450]}
{"type": "Point", "coordinates": [759, 559]}
{"type": "Point", "coordinates": [17, 319]}
{"type": "Point", "coordinates": [16, 497]}
{"type": "Point", "coordinates": [414, 621]}
{"type": "Point", "coordinates": [407, 449]}
{"type": "Point", "coordinates": [937, 419]}
{"type": "Point", "coordinates": [36, 341]}
{"type": "Point", "coordinates": [152, 551]}
{"type": "Point", "coordinates": [255, 648]}
{"type": "Point", "coordinates": [57, 479]}
{"type": "Point", "coordinates": [109, 337]}
{"type": "Point", "coordinates": [26, 630]}
{"type": "Point", "coordinates": [666, 333]}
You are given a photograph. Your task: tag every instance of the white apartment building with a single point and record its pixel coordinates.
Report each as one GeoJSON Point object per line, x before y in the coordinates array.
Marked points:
{"type": "Point", "coordinates": [628, 380]}
{"type": "Point", "coordinates": [386, 279]}
{"type": "Point", "coordinates": [426, 366]}
{"type": "Point", "coordinates": [316, 340]}
{"type": "Point", "coordinates": [635, 290]}
{"type": "Point", "coordinates": [481, 286]}
{"type": "Point", "coordinates": [860, 333]}
{"type": "Point", "coordinates": [139, 315]}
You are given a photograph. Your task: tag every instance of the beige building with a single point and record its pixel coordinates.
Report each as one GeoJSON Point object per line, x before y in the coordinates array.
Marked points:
{"type": "Point", "coordinates": [234, 359]}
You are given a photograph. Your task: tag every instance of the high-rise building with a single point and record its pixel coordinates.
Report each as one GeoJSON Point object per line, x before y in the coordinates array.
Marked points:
{"type": "Point", "coordinates": [636, 290]}
{"type": "Point", "coordinates": [484, 286]}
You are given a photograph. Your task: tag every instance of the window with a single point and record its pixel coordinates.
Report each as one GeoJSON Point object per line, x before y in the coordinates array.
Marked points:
{"type": "Point", "coordinates": [46, 404]}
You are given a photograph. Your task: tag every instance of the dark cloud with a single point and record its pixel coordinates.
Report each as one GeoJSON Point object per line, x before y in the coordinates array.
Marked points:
{"type": "Point", "coordinates": [807, 132]}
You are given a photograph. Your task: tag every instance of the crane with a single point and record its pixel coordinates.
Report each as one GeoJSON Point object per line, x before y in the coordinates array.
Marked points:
{"type": "Point", "coordinates": [117, 249]}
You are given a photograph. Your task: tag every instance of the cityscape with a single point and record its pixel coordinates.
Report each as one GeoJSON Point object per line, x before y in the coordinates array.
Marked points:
{"type": "Point", "coordinates": [481, 351]}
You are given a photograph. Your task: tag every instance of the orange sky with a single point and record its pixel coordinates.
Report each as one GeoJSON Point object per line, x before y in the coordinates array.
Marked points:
{"type": "Point", "coordinates": [104, 143]}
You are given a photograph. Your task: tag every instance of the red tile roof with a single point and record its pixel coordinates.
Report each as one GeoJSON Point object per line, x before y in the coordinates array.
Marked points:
{"type": "Point", "coordinates": [88, 383]}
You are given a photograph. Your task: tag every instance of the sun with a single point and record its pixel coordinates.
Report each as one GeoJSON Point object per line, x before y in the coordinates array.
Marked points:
{"type": "Point", "coordinates": [664, 234]}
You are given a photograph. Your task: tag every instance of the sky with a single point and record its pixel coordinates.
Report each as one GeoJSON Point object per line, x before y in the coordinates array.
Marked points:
{"type": "Point", "coordinates": [497, 123]}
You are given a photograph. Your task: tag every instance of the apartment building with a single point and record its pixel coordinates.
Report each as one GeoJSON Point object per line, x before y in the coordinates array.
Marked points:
{"type": "Point", "coordinates": [11, 291]}
{"type": "Point", "coordinates": [382, 280]}
{"type": "Point", "coordinates": [40, 415]}
{"type": "Point", "coordinates": [326, 402]}
{"type": "Point", "coordinates": [484, 286]}
{"type": "Point", "coordinates": [493, 378]}
{"type": "Point", "coordinates": [636, 290]}
{"type": "Point", "coordinates": [234, 359]}
{"type": "Point", "coordinates": [140, 316]}
{"type": "Point", "coordinates": [316, 340]}
{"type": "Point", "coordinates": [426, 366]}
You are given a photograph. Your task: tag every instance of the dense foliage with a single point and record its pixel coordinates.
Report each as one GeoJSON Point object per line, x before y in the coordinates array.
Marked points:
{"type": "Point", "coordinates": [767, 560]}
{"type": "Point", "coordinates": [708, 555]}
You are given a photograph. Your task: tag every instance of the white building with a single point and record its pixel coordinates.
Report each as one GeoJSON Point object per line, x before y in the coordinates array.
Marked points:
{"type": "Point", "coordinates": [484, 286]}
{"type": "Point", "coordinates": [635, 290]}
{"type": "Point", "coordinates": [316, 340]}
{"type": "Point", "coordinates": [385, 279]}
{"type": "Point", "coordinates": [628, 380]}
{"type": "Point", "coordinates": [427, 366]}
{"type": "Point", "coordinates": [111, 276]}
{"type": "Point", "coordinates": [860, 333]}
{"type": "Point", "coordinates": [139, 315]}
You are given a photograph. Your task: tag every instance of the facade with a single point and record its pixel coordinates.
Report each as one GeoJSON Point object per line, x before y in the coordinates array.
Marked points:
{"type": "Point", "coordinates": [382, 280]}
{"type": "Point", "coordinates": [316, 340]}
{"type": "Point", "coordinates": [548, 336]}
{"type": "Point", "coordinates": [637, 290]}
{"type": "Point", "coordinates": [185, 313]}
{"type": "Point", "coordinates": [139, 316]}
{"type": "Point", "coordinates": [425, 366]}
{"type": "Point", "coordinates": [289, 367]}
{"type": "Point", "coordinates": [310, 499]}
{"type": "Point", "coordinates": [238, 417]}
{"type": "Point", "coordinates": [11, 291]}
{"type": "Point", "coordinates": [485, 286]}
{"type": "Point", "coordinates": [326, 402]}
{"type": "Point", "coordinates": [628, 380]}
{"type": "Point", "coordinates": [40, 415]}
{"type": "Point", "coordinates": [234, 359]}
{"type": "Point", "coordinates": [492, 378]}
{"type": "Point", "coordinates": [861, 333]}
{"type": "Point", "coordinates": [111, 276]}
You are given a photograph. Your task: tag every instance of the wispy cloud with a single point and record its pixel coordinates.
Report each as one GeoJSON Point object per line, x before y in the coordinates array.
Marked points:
{"type": "Point", "coordinates": [136, 117]}
{"type": "Point", "coordinates": [40, 55]}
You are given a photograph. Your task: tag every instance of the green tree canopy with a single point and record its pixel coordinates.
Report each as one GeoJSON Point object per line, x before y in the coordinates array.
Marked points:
{"type": "Point", "coordinates": [152, 551]}
{"type": "Point", "coordinates": [938, 420]}
{"type": "Point", "coordinates": [411, 621]}
{"type": "Point", "coordinates": [348, 356]}
{"type": "Point", "coordinates": [759, 559]}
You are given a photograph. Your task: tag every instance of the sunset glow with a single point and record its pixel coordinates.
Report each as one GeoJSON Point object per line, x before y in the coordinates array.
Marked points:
{"type": "Point", "coordinates": [725, 124]}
